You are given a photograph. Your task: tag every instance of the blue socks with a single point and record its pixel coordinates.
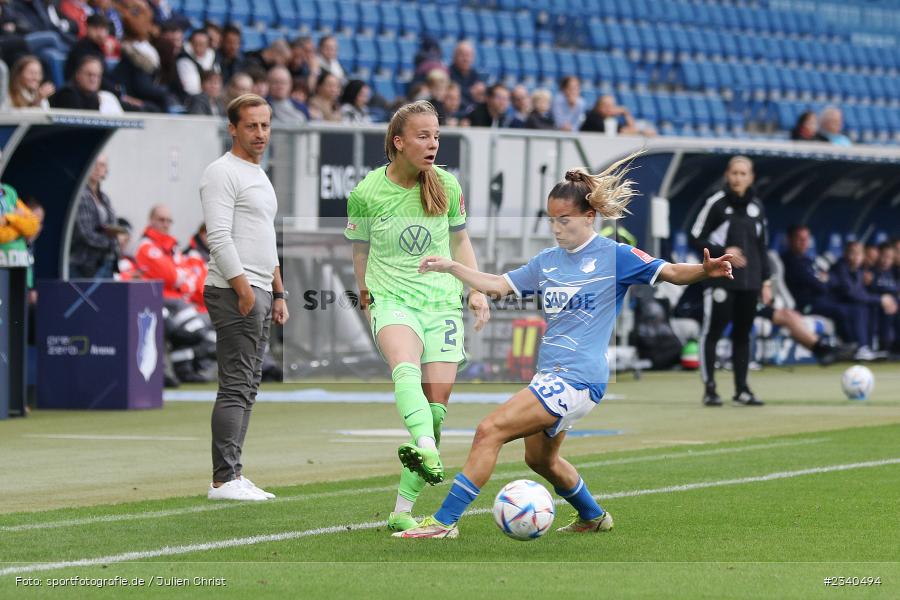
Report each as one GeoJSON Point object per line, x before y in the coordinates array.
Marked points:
{"type": "Point", "coordinates": [462, 494]}
{"type": "Point", "coordinates": [580, 497]}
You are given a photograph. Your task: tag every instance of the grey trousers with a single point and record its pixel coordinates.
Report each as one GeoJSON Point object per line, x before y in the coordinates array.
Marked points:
{"type": "Point", "coordinates": [240, 344]}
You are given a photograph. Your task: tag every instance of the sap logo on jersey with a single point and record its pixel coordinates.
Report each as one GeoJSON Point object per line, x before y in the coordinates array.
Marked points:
{"type": "Point", "coordinates": [556, 298]}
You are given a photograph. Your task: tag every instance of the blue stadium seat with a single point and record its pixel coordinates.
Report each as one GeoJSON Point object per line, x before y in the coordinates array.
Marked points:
{"type": "Point", "coordinates": [724, 75]}
{"type": "Point", "coordinates": [390, 17]}
{"type": "Point", "coordinates": [450, 21]}
{"type": "Point", "coordinates": [622, 71]}
{"type": "Point", "coordinates": [348, 15]}
{"type": "Point", "coordinates": [547, 63]}
{"type": "Point", "coordinates": [786, 115]}
{"type": "Point", "coordinates": [701, 112]}
{"type": "Point", "coordinates": [217, 10]}
{"type": "Point", "coordinates": [649, 43]}
{"type": "Point", "coordinates": [628, 100]}
{"type": "Point", "coordinates": [692, 14]}
{"type": "Point", "coordinates": [597, 35]}
{"type": "Point", "coordinates": [616, 37]}
{"type": "Point", "coordinates": [804, 52]}
{"type": "Point", "coordinates": [407, 48]}
{"type": "Point", "coordinates": [369, 17]}
{"type": "Point", "coordinates": [273, 35]}
{"type": "Point", "coordinates": [709, 77]}
{"type": "Point", "coordinates": [667, 48]}
{"type": "Point", "coordinates": [525, 27]}
{"type": "Point", "coordinates": [528, 63]}
{"type": "Point", "coordinates": [646, 108]}
{"type": "Point", "coordinates": [683, 112]}
{"type": "Point", "coordinates": [388, 54]}
{"type": "Point", "coordinates": [489, 59]}
{"type": "Point", "coordinates": [431, 21]}
{"type": "Point", "coordinates": [729, 46]}
{"type": "Point", "coordinates": [286, 13]}
{"type": "Point", "coordinates": [891, 87]}
{"type": "Point", "coordinates": [410, 19]}
{"type": "Point", "coordinates": [263, 12]}
{"type": "Point", "coordinates": [327, 15]}
{"type": "Point", "coordinates": [346, 51]}
{"type": "Point", "coordinates": [366, 53]}
{"type": "Point", "coordinates": [384, 86]}
{"type": "Point", "coordinates": [690, 75]}
{"type": "Point", "coordinates": [788, 49]}
{"type": "Point", "coordinates": [713, 41]}
{"type": "Point", "coordinates": [240, 12]}
{"type": "Point", "coordinates": [469, 22]}
{"type": "Point", "coordinates": [488, 24]}
{"type": "Point", "coordinates": [307, 14]}
{"type": "Point", "coordinates": [665, 107]}
{"type": "Point", "coordinates": [566, 62]}
{"type": "Point", "coordinates": [506, 27]}
{"type": "Point", "coordinates": [194, 9]}
{"type": "Point", "coordinates": [509, 62]}
{"type": "Point", "coordinates": [251, 39]}
{"type": "Point", "coordinates": [604, 67]}
{"type": "Point", "coordinates": [587, 69]}
{"type": "Point", "coordinates": [718, 114]}
{"type": "Point", "coordinates": [683, 44]}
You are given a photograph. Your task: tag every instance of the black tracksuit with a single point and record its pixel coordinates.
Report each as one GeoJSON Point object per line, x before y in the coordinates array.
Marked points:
{"type": "Point", "coordinates": [728, 220]}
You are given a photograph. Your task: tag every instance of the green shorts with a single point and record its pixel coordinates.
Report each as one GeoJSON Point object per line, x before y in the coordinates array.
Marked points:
{"type": "Point", "coordinates": [441, 331]}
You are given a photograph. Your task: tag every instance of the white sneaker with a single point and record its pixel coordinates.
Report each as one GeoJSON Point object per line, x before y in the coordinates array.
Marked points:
{"type": "Point", "coordinates": [234, 490]}
{"type": "Point", "coordinates": [253, 486]}
{"type": "Point", "coordinates": [865, 354]}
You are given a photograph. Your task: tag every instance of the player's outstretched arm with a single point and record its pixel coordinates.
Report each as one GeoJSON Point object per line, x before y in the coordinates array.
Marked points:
{"type": "Point", "coordinates": [492, 285]}
{"type": "Point", "coordinates": [685, 274]}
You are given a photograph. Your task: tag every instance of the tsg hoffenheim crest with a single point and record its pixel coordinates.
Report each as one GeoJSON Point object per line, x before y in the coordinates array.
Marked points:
{"type": "Point", "coordinates": [588, 265]}
{"type": "Point", "coordinates": [147, 354]}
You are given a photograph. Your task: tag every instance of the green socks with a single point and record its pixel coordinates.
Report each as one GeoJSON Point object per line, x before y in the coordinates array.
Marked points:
{"type": "Point", "coordinates": [411, 401]}
{"type": "Point", "coordinates": [411, 484]}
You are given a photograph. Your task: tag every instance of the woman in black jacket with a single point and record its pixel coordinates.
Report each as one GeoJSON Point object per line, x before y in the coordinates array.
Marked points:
{"type": "Point", "coordinates": [733, 221]}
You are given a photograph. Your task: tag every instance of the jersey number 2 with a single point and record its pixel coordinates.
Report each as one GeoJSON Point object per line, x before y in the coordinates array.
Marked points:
{"type": "Point", "coordinates": [451, 331]}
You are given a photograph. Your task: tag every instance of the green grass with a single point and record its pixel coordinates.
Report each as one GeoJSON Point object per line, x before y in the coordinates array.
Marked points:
{"type": "Point", "coordinates": [731, 538]}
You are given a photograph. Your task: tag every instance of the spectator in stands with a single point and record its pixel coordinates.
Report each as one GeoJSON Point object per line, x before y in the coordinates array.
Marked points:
{"type": "Point", "coordinates": [92, 44]}
{"type": "Point", "coordinates": [260, 80]}
{"type": "Point", "coordinates": [170, 46]}
{"type": "Point", "coordinates": [300, 95]}
{"type": "Point", "coordinates": [831, 127]}
{"type": "Point", "coordinates": [196, 257]}
{"type": "Point", "coordinates": [521, 106]}
{"type": "Point", "coordinates": [159, 258]}
{"type": "Point", "coordinates": [214, 31]}
{"type": "Point", "coordinates": [870, 260]}
{"type": "Point", "coordinates": [278, 53]}
{"type": "Point", "coordinates": [328, 58]}
{"type": "Point", "coordinates": [885, 282]}
{"type": "Point", "coordinates": [304, 60]}
{"type": "Point", "coordinates": [436, 81]}
{"type": "Point", "coordinates": [117, 27]}
{"type": "Point", "coordinates": [462, 71]}
{"type": "Point", "coordinates": [39, 19]}
{"type": "Point", "coordinates": [284, 111]}
{"type": "Point", "coordinates": [540, 117]}
{"type": "Point", "coordinates": [83, 91]}
{"type": "Point", "coordinates": [494, 112]}
{"type": "Point", "coordinates": [209, 100]}
{"type": "Point", "coordinates": [196, 56]}
{"type": "Point", "coordinates": [94, 238]}
{"type": "Point", "coordinates": [138, 70]}
{"type": "Point", "coordinates": [77, 11]}
{"type": "Point", "coordinates": [229, 53]}
{"type": "Point", "coordinates": [428, 57]}
{"type": "Point", "coordinates": [452, 104]}
{"type": "Point", "coordinates": [604, 112]}
{"type": "Point", "coordinates": [27, 88]}
{"type": "Point", "coordinates": [240, 83]}
{"type": "Point", "coordinates": [812, 292]}
{"type": "Point", "coordinates": [355, 102]}
{"type": "Point", "coordinates": [806, 128]}
{"type": "Point", "coordinates": [848, 286]}
{"type": "Point", "coordinates": [323, 106]}
{"type": "Point", "coordinates": [568, 106]}
{"type": "Point", "coordinates": [126, 267]}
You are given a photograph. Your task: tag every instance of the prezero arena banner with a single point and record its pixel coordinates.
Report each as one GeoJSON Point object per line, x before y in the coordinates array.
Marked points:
{"type": "Point", "coordinates": [338, 176]}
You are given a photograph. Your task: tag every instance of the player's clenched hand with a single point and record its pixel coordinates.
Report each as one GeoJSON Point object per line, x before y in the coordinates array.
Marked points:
{"type": "Point", "coordinates": [435, 264]}
{"type": "Point", "coordinates": [479, 305]}
{"type": "Point", "coordinates": [280, 312]}
{"type": "Point", "coordinates": [717, 267]}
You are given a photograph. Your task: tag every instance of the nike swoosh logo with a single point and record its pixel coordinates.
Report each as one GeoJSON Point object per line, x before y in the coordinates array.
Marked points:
{"type": "Point", "coordinates": [412, 413]}
{"type": "Point", "coordinates": [550, 270]}
{"type": "Point", "coordinates": [383, 219]}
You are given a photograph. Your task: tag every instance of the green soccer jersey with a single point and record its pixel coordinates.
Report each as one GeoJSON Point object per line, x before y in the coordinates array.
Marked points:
{"type": "Point", "coordinates": [390, 218]}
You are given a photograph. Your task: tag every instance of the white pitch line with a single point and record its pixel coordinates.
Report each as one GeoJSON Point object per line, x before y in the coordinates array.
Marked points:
{"type": "Point", "coordinates": [292, 535]}
{"type": "Point", "coordinates": [373, 490]}
{"type": "Point", "coordinates": [115, 438]}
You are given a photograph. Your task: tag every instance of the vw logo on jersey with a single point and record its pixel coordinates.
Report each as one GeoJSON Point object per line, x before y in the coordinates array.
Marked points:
{"type": "Point", "coordinates": [588, 265]}
{"type": "Point", "coordinates": [415, 239]}
{"type": "Point", "coordinates": [752, 210]}
{"type": "Point", "coordinates": [557, 298]}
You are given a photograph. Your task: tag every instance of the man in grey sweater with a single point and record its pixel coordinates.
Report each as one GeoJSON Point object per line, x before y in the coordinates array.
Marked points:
{"type": "Point", "coordinates": [244, 292]}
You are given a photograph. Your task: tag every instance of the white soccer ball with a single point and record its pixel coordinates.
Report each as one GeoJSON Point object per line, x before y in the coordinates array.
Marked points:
{"type": "Point", "coordinates": [858, 382]}
{"type": "Point", "coordinates": [524, 510]}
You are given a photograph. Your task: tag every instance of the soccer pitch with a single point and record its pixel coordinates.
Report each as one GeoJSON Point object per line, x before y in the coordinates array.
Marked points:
{"type": "Point", "coordinates": [733, 502]}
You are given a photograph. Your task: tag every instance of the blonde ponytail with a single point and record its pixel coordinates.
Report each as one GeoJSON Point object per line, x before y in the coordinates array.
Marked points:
{"type": "Point", "coordinates": [431, 188]}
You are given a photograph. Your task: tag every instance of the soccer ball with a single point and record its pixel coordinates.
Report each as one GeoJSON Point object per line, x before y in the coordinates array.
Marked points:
{"type": "Point", "coordinates": [524, 510]}
{"type": "Point", "coordinates": [858, 382]}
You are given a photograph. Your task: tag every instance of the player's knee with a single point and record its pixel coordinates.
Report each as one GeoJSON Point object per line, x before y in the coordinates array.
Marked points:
{"type": "Point", "coordinates": [487, 432]}
{"type": "Point", "coordinates": [538, 462]}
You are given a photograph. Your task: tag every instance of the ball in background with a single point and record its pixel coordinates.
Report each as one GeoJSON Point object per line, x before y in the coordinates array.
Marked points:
{"type": "Point", "coordinates": [858, 382]}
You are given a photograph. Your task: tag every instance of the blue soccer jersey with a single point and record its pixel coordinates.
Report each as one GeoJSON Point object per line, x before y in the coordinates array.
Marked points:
{"type": "Point", "coordinates": [580, 293]}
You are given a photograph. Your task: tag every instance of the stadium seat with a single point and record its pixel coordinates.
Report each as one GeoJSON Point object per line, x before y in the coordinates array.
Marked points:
{"type": "Point", "coordinates": [487, 24]}
{"type": "Point", "coordinates": [690, 75]}
{"type": "Point", "coordinates": [431, 21]}
{"type": "Point", "coordinates": [307, 14]}
{"type": "Point", "coordinates": [489, 59]}
{"type": "Point", "coordinates": [510, 64]}
{"type": "Point", "coordinates": [646, 108]}
{"type": "Point", "coordinates": [384, 86]}
{"type": "Point", "coordinates": [622, 71]}
{"type": "Point", "coordinates": [410, 21]}
{"type": "Point", "coordinates": [263, 13]}
{"type": "Point", "coordinates": [506, 27]}
{"type": "Point", "coordinates": [528, 63]}
{"type": "Point", "coordinates": [346, 52]}
{"type": "Point", "coordinates": [390, 17]}
{"type": "Point", "coordinates": [216, 10]}
{"type": "Point", "coordinates": [366, 54]}
{"type": "Point", "coordinates": [327, 15]}
{"type": "Point", "coordinates": [566, 61]}
{"type": "Point", "coordinates": [587, 69]}
{"type": "Point", "coordinates": [525, 27]}
{"type": "Point", "coordinates": [388, 54]}
{"type": "Point", "coordinates": [667, 48]}
{"type": "Point", "coordinates": [548, 65]}
{"type": "Point", "coordinates": [240, 12]}
{"type": "Point", "coordinates": [348, 16]}
{"type": "Point", "coordinates": [369, 17]}
{"type": "Point", "coordinates": [469, 23]}
{"type": "Point", "coordinates": [597, 35]}
{"type": "Point", "coordinates": [251, 40]}
{"type": "Point", "coordinates": [194, 9]}
{"type": "Point", "coordinates": [407, 48]}
{"type": "Point", "coordinates": [286, 13]}
{"type": "Point", "coordinates": [450, 21]}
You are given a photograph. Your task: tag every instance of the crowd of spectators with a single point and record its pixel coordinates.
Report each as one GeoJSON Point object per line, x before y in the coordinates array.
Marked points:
{"type": "Point", "coordinates": [859, 292]}
{"type": "Point", "coordinates": [136, 55]}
